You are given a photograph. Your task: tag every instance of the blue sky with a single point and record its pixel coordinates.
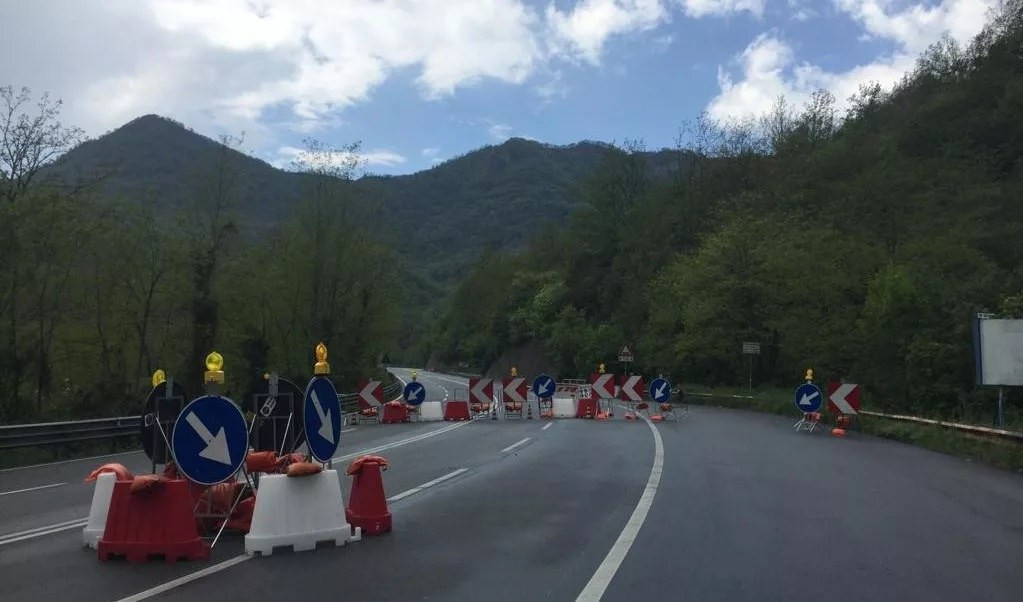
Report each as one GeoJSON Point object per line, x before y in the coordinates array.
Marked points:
{"type": "Point", "coordinates": [420, 81]}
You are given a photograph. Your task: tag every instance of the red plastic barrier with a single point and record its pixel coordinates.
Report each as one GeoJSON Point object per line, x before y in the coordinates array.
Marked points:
{"type": "Point", "coordinates": [156, 521]}
{"type": "Point", "coordinates": [456, 410]}
{"type": "Point", "coordinates": [394, 412]}
{"type": "Point", "coordinates": [587, 408]}
{"type": "Point", "coordinates": [367, 504]}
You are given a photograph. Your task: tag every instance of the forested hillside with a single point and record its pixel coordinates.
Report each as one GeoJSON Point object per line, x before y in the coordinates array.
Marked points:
{"type": "Point", "coordinates": [859, 244]}
{"type": "Point", "coordinates": [97, 291]}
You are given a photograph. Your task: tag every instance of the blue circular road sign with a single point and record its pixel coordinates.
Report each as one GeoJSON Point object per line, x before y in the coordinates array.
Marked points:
{"type": "Point", "coordinates": [414, 393]}
{"type": "Point", "coordinates": [322, 418]}
{"type": "Point", "coordinates": [660, 390]}
{"type": "Point", "coordinates": [543, 387]}
{"type": "Point", "coordinates": [808, 397]}
{"type": "Point", "coordinates": [210, 440]}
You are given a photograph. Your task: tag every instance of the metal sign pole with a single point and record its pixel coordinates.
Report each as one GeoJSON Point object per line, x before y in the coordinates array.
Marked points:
{"type": "Point", "coordinates": [1001, 415]}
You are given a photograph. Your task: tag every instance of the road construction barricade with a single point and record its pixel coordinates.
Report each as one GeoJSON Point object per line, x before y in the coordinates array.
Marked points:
{"type": "Point", "coordinates": [394, 412]}
{"type": "Point", "coordinates": [457, 408]}
{"type": "Point", "coordinates": [298, 510]}
{"type": "Point", "coordinates": [809, 422]}
{"type": "Point", "coordinates": [566, 398]}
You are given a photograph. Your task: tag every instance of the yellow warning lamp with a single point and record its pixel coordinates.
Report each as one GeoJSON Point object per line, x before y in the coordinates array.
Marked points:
{"type": "Point", "coordinates": [515, 372]}
{"type": "Point", "coordinates": [600, 369]}
{"type": "Point", "coordinates": [215, 368]}
{"type": "Point", "coordinates": [321, 367]}
{"type": "Point", "coordinates": [266, 376]}
{"type": "Point", "coordinates": [159, 377]}
{"type": "Point", "coordinates": [415, 374]}
{"type": "Point", "coordinates": [809, 374]}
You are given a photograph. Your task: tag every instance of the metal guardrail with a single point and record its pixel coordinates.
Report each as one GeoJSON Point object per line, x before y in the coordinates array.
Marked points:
{"type": "Point", "coordinates": [966, 428]}
{"type": "Point", "coordinates": [79, 431]}
{"type": "Point", "coordinates": [957, 426]}
{"type": "Point", "coordinates": [54, 433]}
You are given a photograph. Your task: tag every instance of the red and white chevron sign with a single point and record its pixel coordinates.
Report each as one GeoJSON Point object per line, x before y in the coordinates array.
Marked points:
{"type": "Point", "coordinates": [515, 389]}
{"type": "Point", "coordinates": [371, 393]}
{"type": "Point", "coordinates": [481, 390]}
{"type": "Point", "coordinates": [603, 385]}
{"type": "Point", "coordinates": [844, 398]}
{"type": "Point", "coordinates": [632, 389]}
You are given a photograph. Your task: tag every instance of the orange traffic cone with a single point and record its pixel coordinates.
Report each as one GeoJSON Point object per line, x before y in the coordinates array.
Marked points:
{"type": "Point", "coordinates": [367, 505]}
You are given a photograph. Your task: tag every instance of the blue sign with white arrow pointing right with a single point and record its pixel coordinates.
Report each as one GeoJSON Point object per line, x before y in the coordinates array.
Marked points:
{"type": "Point", "coordinates": [660, 390]}
{"type": "Point", "coordinates": [322, 418]}
{"type": "Point", "coordinates": [543, 387]}
{"type": "Point", "coordinates": [210, 440]}
{"type": "Point", "coordinates": [415, 393]}
{"type": "Point", "coordinates": [808, 397]}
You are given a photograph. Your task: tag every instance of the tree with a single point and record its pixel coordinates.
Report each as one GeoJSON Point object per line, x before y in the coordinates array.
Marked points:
{"type": "Point", "coordinates": [31, 136]}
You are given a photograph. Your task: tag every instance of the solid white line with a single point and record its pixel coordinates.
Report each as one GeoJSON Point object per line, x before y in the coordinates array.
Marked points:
{"type": "Point", "coordinates": [516, 444]}
{"type": "Point", "coordinates": [348, 430]}
{"type": "Point", "coordinates": [597, 584]}
{"type": "Point", "coordinates": [3, 493]}
{"type": "Point", "coordinates": [404, 494]}
{"type": "Point", "coordinates": [547, 426]}
{"type": "Point", "coordinates": [441, 479]}
{"type": "Point", "coordinates": [40, 531]}
{"type": "Point", "coordinates": [159, 589]}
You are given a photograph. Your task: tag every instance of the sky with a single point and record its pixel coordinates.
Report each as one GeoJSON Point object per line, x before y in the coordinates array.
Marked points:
{"type": "Point", "coordinates": [417, 82]}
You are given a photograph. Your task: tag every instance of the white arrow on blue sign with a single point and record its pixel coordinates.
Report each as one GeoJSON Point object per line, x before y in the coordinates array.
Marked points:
{"type": "Point", "coordinates": [543, 386]}
{"type": "Point", "coordinates": [210, 440]}
{"type": "Point", "coordinates": [808, 397]}
{"type": "Point", "coordinates": [415, 393]}
{"type": "Point", "coordinates": [660, 390]}
{"type": "Point", "coordinates": [322, 418]}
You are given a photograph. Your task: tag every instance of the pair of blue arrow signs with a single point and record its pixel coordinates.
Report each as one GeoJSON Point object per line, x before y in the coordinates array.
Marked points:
{"type": "Point", "coordinates": [207, 458]}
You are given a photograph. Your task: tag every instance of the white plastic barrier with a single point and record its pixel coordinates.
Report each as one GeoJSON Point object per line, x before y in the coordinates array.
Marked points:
{"type": "Point", "coordinates": [101, 494]}
{"type": "Point", "coordinates": [431, 410]}
{"type": "Point", "coordinates": [564, 408]}
{"type": "Point", "coordinates": [298, 512]}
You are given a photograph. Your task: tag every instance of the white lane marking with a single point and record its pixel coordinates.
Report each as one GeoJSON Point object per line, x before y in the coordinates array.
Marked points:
{"type": "Point", "coordinates": [405, 441]}
{"type": "Point", "coordinates": [516, 444]}
{"type": "Point", "coordinates": [547, 426]}
{"type": "Point", "coordinates": [3, 493]}
{"type": "Point", "coordinates": [427, 485]}
{"type": "Point", "coordinates": [86, 459]}
{"type": "Point", "coordinates": [597, 584]}
{"type": "Point", "coordinates": [230, 562]}
{"type": "Point", "coordinates": [40, 531]}
{"type": "Point", "coordinates": [165, 587]}
{"type": "Point", "coordinates": [81, 522]}
{"type": "Point", "coordinates": [348, 430]}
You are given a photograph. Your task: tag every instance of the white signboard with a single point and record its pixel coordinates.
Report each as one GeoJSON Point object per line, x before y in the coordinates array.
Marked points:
{"type": "Point", "coordinates": [998, 347]}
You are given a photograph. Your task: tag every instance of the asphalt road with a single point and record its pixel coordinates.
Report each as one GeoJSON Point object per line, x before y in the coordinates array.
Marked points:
{"type": "Point", "coordinates": [736, 506]}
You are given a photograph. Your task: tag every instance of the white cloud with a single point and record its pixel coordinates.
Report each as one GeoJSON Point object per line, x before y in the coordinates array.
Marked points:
{"type": "Point", "coordinates": [500, 131]}
{"type": "Point", "coordinates": [582, 31]}
{"type": "Point", "coordinates": [433, 154]}
{"type": "Point", "coordinates": [267, 66]}
{"type": "Point", "coordinates": [769, 68]}
{"type": "Point", "coordinates": [287, 155]}
{"type": "Point", "coordinates": [705, 8]}
{"type": "Point", "coordinates": [552, 88]}
{"type": "Point", "coordinates": [918, 26]}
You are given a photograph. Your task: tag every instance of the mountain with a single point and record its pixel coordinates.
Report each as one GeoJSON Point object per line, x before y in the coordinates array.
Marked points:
{"type": "Point", "coordinates": [441, 219]}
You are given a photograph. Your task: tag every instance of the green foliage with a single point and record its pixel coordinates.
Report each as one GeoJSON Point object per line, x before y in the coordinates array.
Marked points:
{"type": "Point", "coordinates": [96, 292]}
{"type": "Point", "coordinates": [859, 245]}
